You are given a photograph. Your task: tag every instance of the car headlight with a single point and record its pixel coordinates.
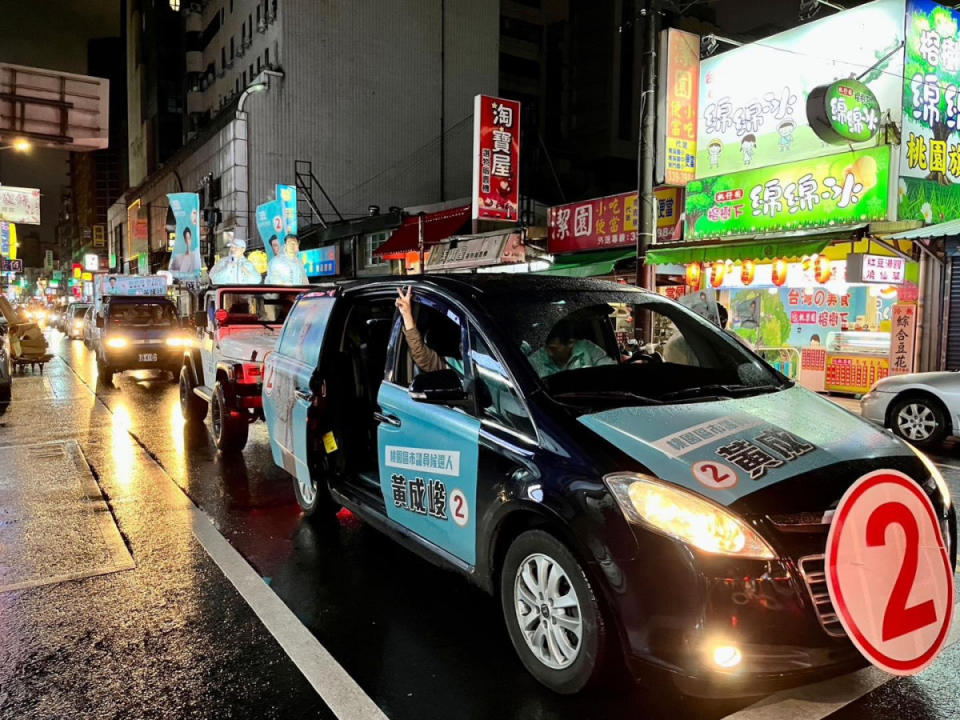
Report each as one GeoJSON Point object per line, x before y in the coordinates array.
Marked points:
{"type": "Point", "coordinates": [935, 475]}
{"type": "Point", "coordinates": [179, 342]}
{"type": "Point", "coordinates": [77, 325]}
{"type": "Point", "coordinates": [116, 342]}
{"type": "Point", "coordinates": [686, 517]}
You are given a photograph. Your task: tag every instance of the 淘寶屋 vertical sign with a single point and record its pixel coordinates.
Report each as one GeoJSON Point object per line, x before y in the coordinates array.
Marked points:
{"type": "Point", "coordinates": [496, 159]}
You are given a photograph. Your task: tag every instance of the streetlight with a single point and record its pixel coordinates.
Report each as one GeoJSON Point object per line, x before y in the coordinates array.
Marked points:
{"type": "Point", "coordinates": [20, 145]}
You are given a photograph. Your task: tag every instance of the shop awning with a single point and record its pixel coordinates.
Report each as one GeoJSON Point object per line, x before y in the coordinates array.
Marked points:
{"type": "Point", "coordinates": [762, 247]}
{"type": "Point", "coordinates": [944, 229]}
{"type": "Point", "coordinates": [589, 264]}
{"type": "Point", "coordinates": [437, 227]}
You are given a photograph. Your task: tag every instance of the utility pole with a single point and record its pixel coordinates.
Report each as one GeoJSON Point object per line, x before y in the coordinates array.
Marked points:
{"type": "Point", "coordinates": [646, 157]}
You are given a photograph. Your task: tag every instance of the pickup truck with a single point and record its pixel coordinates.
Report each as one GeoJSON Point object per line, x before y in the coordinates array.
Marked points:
{"type": "Point", "coordinates": [670, 515]}
{"type": "Point", "coordinates": [236, 328]}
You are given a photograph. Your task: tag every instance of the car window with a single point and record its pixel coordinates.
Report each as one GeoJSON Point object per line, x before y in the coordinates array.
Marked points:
{"type": "Point", "coordinates": [258, 307]}
{"type": "Point", "coordinates": [439, 328]}
{"type": "Point", "coordinates": [497, 397]}
{"type": "Point", "coordinates": [581, 344]}
{"type": "Point", "coordinates": [304, 328]}
{"type": "Point", "coordinates": [142, 315]}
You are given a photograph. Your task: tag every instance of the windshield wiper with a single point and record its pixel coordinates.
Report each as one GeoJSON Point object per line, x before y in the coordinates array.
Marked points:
{"type": "Point", "coordinates": [720, 391]}
{"type": "Point", "coordinates": [602, 394]}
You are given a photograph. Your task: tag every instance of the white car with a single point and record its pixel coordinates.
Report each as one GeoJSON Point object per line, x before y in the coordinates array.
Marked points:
{"type": "Point", "coordinates": [923, 408]}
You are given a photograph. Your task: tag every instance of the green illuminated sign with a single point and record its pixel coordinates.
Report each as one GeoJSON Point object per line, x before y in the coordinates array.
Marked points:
{"type": "Point", "coordinates": [839, 189]}
{"type": "Point", "coordinates": [845, 111]}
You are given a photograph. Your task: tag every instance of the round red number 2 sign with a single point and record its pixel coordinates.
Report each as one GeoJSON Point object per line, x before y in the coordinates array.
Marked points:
{"type": "Point", "coordinates": [889, 574]}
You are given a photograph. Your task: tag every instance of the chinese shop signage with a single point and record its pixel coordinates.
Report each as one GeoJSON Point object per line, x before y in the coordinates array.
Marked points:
{"type": "Point", "coordinates": [496, 158]}
{"type": "Point", "coordinates": [677, 114]}
{"type": "Point", "coordinates": [879, 269]}
{"type": "Point", "coordinates": [931, 94]}
{"type": "Point", "coordinates": [20, 205]}
{"type": "Point", "coordinates": [833, 190]}
{"type": "Point", "coordinates": [903, 327]}
{"type": "Point", "coordinates": [845, 111]}
{"type": "Point", "coordinates": [753, 100]}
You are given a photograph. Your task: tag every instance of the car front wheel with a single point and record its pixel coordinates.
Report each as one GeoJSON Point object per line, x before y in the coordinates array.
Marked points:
{"type": "Point", "coordinates": [230, 427]}
{"type": "Point", "coordinates": [192, 407]}
{"type": "Point", "coordinates": [552, 613]}
{"type": "Point", "coordinates": [920, 421]}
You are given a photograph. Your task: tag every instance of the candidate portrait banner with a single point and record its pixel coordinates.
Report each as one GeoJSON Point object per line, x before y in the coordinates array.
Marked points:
{"type": "Point", "coordinates": [271, 226]}
{"type": "Point", "coordinates": [185, 260]}
{"type": "Point", "coordinates": [287, 195]}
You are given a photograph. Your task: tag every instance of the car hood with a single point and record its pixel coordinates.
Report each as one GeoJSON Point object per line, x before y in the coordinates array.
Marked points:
{"type": "Point", "coordinates": [248, 345]}
{"type": "Point", "coordinates": [941, 379]}
{"type": "Point", "coordinates": [752, 443]}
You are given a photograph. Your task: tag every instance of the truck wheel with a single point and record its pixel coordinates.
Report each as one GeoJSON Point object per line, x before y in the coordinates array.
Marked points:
{"type": "Point", "coordinates": [552, 613]}
{"type": "Point", "coordinates": [192, 407]}
{"type": "Point", "coordinates": [104, 372]}
{"type": "Point", "coordinates": [229, 429]}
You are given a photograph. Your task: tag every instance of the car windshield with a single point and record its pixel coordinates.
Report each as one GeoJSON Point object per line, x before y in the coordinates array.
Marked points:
{"type": "Point", "coordinates": [80, 311]}
{"type": "Point", "coordinates": [581, 344]}
{"type": "Point", "coordinates": [256, 307]}
{"type": "Point", "coordinates": [143, 315]}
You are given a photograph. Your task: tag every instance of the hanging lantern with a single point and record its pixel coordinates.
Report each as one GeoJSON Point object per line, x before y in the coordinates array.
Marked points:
{"type": "Point", "coordinates": [748, 271]}
{"type": "Point", "coordinates": [821, 269]}
{"type": "Point", "coordinates": [717, 274]}
{"type": "Point", "coordinates": [693, 275]}
{"type": "Point", "coordinates": [779, 272]}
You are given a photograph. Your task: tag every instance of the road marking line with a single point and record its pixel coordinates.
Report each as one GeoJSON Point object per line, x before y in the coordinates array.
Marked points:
{"type": "Point", "coordinates": [334, 685]}
{"type": "Point", "coordinates": [819, 700]}
{"type": "Point", "coordinates": [949, 467]}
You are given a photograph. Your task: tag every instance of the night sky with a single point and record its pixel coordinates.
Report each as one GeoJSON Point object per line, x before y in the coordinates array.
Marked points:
{"type": "Point", "coordinates": [50, 34]}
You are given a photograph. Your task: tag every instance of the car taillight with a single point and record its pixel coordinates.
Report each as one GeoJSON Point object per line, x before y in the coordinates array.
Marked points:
{"type": "Point", "coordinates": [250, 373]}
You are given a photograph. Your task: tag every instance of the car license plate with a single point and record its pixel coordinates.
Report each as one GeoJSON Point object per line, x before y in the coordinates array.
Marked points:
{"type": "Point", "coordinates": [148, 357]}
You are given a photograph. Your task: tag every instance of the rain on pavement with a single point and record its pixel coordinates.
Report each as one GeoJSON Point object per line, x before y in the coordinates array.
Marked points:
{"type": "Point", "coordinates": [148, 625]}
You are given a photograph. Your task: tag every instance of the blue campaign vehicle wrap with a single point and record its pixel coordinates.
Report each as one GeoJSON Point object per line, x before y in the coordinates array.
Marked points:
{"type": "Point", "coordinates": [731, 448]}
{"type": "Point", "coordinates": [428, 471]}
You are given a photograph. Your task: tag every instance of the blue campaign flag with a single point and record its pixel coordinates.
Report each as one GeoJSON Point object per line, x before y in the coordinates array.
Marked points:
{"type": "Point", "coordinates": [270, 226]}
{"type": "Point", "coordinates": [185, 260]}
{"type": "Point", "coordinates": [287, 195]}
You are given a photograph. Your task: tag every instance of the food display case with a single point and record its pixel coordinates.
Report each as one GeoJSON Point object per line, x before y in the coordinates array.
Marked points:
{"type": "Point", "coordinates": [856, 360]}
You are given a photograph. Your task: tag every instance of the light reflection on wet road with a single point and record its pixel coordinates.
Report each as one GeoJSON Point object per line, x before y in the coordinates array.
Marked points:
{"type": "Point", "coordinates": [422, 642]}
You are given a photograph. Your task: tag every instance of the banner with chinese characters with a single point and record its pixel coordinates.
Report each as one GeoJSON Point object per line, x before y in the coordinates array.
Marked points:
{"type": "Point", "coordinates": [496, 159]}
{"type": "Point", "coordinates": [903, 327]}
{"type": "Point", "coordinates": [20, 205]}
{"type": "Point", "coordinates": [677, 112]}
{"type": "Point", "coordinates": [753, 99]}
{"type": "Point", "coordinates": [931, 108]}
{"type": "Point", "coordinates": [854, 374]}
{"type": "Point", "coordinates": [879, 269]}
{"type": "Point", "coordinates": [849, 187]}
{"type": "Point", "coordinates": [597, 224]}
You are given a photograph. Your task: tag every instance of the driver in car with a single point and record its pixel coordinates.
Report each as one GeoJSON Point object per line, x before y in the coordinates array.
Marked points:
{"type": "Point", "coordinates": [563, 351]}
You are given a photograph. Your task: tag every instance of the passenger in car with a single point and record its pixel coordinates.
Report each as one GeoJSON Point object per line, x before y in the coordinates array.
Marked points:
{"type": "Point", "coordinates": [563, 351]}
{"type": "Point", "coordinates": [426, 357]}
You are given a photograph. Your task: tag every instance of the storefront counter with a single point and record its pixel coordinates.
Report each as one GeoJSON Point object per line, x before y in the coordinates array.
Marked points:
{"type": "Point", "coordinates": [854, 361]}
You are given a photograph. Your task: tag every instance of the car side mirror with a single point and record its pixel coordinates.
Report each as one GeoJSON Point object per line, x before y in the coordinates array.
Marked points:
{"type": "Point", "coordinates": [100, 321]}
{"type": "Point", "coordinates": [442, 387]}
{"type": "Point", "coordinates": [200, 319]}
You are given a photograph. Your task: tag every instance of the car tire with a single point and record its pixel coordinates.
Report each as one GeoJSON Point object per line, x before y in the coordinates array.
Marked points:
{"type": "Point", "coordinates": [229, 430]}
{"type": "Point", "coordinates": [192, 407]}
{"type": "Point", "coordinates": [553, 652]}
{"type": "Point", "coordinates": [104, 373]}
{"type": "Point", "coordinates": [919, 420]}
{"type": "Point", "coordinates": [314, 500]}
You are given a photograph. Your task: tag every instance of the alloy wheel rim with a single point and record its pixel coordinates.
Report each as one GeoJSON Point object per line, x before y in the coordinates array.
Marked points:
{"type": "Point", "coordinates": [308, 491]}
{"type": "Point", "coordinates": [916, 421]}
{"type": "Point", "coordinates": [548, 611]}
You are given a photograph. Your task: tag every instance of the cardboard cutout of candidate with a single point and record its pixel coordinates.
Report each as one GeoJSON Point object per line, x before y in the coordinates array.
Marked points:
{"type": "Point", "coordinates": [235, 269]}
{"type": "Point", "coordinates": [287, 269]}
{"type": "Point", "coordinates": [189, 261]}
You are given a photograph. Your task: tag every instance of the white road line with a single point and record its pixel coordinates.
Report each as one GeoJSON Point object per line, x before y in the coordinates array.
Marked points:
{"type": "Point", "coordinates": [817, 701]}
{"type": "Point", "coordinates": [949, 467]}
{"type": "Point", "coordinates": [337, 689]}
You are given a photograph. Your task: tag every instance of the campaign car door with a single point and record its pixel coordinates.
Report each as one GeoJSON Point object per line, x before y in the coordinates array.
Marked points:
{"type": "Point", "coordinates": [428, 469]}
{"type": "Point", "coordinates": [286, 384]}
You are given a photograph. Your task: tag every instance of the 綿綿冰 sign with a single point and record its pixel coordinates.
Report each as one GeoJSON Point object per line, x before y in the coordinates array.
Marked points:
{"type": "Point", "coordinates": [833, 190]}
{"type": "Point", "coordinates": [843, 112]}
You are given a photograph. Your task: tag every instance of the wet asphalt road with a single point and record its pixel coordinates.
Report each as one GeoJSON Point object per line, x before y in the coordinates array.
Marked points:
{"type": "Point", "coordinates": [173, 637]}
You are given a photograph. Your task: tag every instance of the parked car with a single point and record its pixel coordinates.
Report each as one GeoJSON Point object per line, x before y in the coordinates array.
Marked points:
{"type": "Point", "coordinates": [668, 514]}
{"type": "Point", "coordinates": [74, 320]}
{"type": "Point", "coordinates": [139, 332]}
{"type": "Point", "coordinates": [922, 408]}
{"type": "Point", "coordinates": [224, 368]}
{"type": "Point", "coordinates": [91, 333]}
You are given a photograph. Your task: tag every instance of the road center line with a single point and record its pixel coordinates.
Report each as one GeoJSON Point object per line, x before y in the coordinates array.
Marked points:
{"type": "Point", "coordinates": [819, 700]}
{"type": "Point", "coordinates": [337, 689]}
